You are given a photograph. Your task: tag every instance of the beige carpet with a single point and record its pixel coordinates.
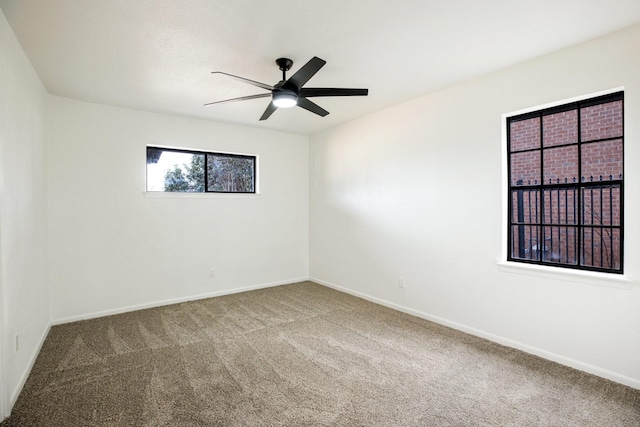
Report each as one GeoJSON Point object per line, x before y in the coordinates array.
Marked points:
{"type": "Point", "coordinates": [300, 354]}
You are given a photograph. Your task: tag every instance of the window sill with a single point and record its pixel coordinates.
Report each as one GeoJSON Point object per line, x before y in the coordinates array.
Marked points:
{"type": "Point", "coordinates": [570, 275]}
{"type": "Point", "coordinates": [176, 195]}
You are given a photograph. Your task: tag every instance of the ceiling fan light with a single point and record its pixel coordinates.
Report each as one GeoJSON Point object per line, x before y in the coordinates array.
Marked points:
{"type": "Point", "coordinates": [284, 100]}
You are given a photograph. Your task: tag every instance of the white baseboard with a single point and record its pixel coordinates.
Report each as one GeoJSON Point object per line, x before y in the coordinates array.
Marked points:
{"type": "Point", "coordinates": [23, 379]}
{"type": "Point", "coordinates": [170, 301]}
{"type": "Point", "coordinates": [576, 364]}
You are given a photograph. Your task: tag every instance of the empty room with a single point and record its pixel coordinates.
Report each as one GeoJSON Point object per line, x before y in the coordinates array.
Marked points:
{"type": "Point", "coordinates": [336, 213]}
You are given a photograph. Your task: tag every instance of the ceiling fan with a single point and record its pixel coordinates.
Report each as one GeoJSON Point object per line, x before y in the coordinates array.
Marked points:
{"type": "Point", "coordinates": [289, 92]}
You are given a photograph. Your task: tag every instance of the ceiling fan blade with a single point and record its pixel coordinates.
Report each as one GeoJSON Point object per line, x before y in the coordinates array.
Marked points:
{"type": "Point", "coordinates": [269, 111]}
{"type": "Point", "coordinates": [313, 107]}
{"type": "Point", "coordinates": [242, 79]}
{"type": "Point", "coordinates": [242, 98]}
{"type": "Point", "coordinates": [303, 75]}
{"type": "Point", "coordinates": [326, 91]}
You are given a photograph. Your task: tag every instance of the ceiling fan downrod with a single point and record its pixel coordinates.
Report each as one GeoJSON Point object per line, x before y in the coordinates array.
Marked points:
{"type": "Point", "coordinates": [285, 65]}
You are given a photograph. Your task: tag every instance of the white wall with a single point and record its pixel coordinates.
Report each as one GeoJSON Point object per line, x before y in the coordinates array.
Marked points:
{"type": "Point", "coordinates": [380, 202]}
{"type": "Point", "coordinates": [24, 292]}
{"type": "Point", "coordinates": [114, 249]}
{"type": "Point", "coordinates": [416, 191]}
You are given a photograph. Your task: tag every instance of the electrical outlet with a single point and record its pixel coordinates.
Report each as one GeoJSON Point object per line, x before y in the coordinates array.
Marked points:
{"type": "Point", "coordinates": [17, 342]}
{"type": "Point", "coordinates": [401, 282]}
{"type": "Point", "coordinates": [212, 272]}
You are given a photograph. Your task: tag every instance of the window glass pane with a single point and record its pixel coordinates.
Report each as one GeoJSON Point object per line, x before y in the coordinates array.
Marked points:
{"type": "Point", "coordinates": [561, 206]}
{"type": "Point", "coordinates": [525, 134]}
{"type": "Point", "coordinates": [560, 128]}
{"type": "Point", "coordinates": [561, 165]}
{"type": "Point", "coordinates": [174, 171]}
{"type": "Point", "coordinates": [602, 161]}
{"type": "Point", "coordinates": [601, 205]}
{"type": "Point", "coordinates": [230, 173]}
{"type": "Point", "coordinates": [525, 168]}
{"type": "Point", "coordinates": [560, 245]}
{"type": "Point", "coordinates": [601, 247]}
{"type": "Point", "coordinates": [525, 206]}
{"type": "Point", "coordinates": [601, 121]}
{"type": "Point", "coordinates": [524, 242]}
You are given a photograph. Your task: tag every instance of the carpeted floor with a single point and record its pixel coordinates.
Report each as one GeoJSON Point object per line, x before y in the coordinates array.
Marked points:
{"type": "Point", "coordinates": [300, 354]}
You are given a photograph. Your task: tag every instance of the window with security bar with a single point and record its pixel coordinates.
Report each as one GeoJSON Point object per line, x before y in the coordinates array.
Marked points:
{"type": "Point", "coordinates": [566, 185]}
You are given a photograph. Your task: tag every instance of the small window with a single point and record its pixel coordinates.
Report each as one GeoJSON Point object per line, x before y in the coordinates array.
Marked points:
{"type": "Point", "coordinates": [566, 186]}
{"type": "Point", "coordinates": [175, 170]}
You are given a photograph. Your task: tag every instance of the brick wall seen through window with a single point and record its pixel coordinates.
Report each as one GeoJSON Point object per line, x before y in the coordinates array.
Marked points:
{"type": "Point", "coordinates": [566, 185]}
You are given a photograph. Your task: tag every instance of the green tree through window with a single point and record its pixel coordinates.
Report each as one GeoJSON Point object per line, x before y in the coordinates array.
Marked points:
{"type": "Point", "coordinates": [230, 174]}
{"type": "Point", "coordinates": [191, 181]}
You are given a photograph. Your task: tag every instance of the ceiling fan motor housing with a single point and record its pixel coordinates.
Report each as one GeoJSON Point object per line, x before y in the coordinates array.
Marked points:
{"type": "Point", "coordinates": [284, 97]}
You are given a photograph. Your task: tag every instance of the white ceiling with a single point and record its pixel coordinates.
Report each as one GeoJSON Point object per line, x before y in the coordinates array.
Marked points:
{"type": "Point", "coordinates": [157, 55]}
